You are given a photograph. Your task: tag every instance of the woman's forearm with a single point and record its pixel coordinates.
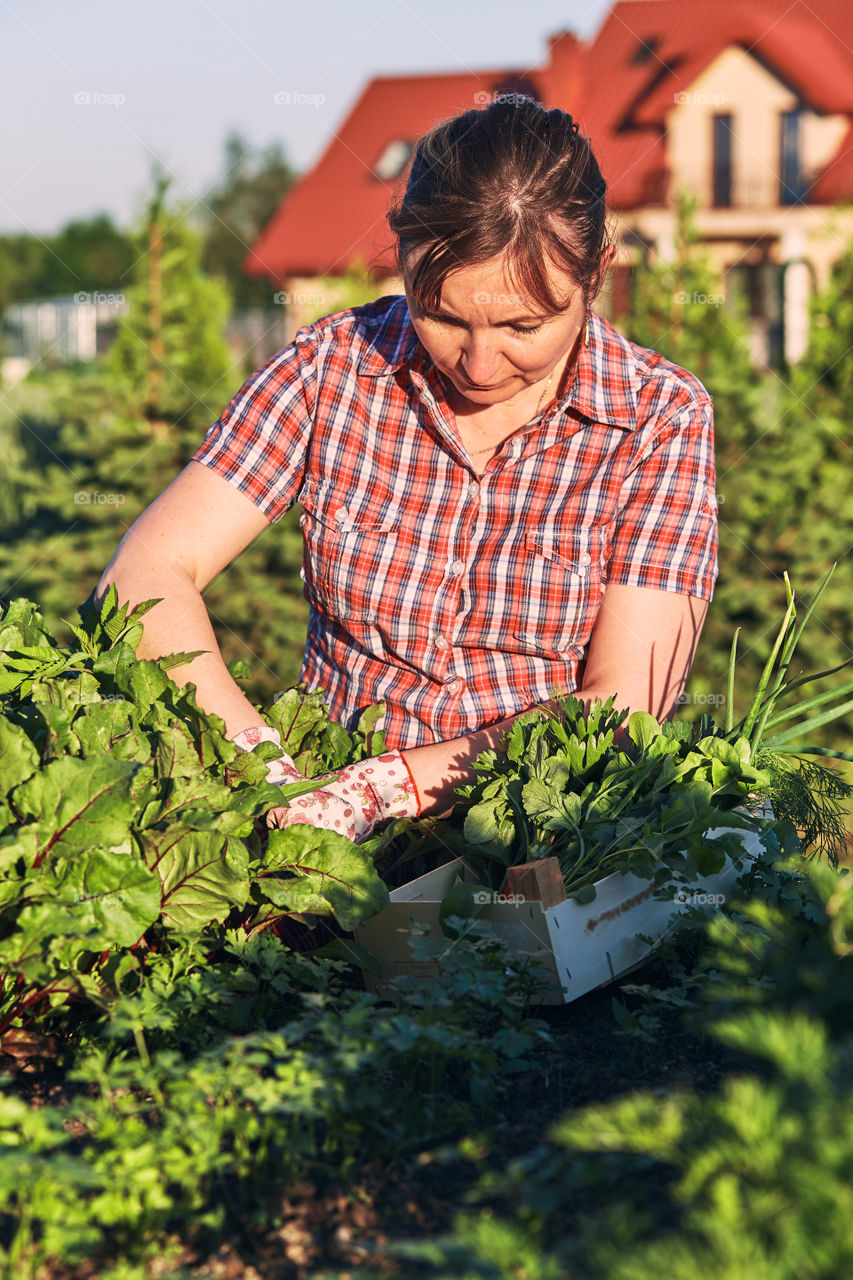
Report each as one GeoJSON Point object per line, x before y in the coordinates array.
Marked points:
{"type": "Point", "coordinates": [180, 624]}
{"type": "Point", "coordinates": [441, 767]}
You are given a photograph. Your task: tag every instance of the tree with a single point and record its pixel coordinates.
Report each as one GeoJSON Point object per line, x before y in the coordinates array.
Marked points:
{"type": "Point", "coordinates": [170, 350]}
{"type": "Point", "coordinates": [237, 209]}
{"type": "Point", "coordinates": [678, 308]}
{"type": "Point", "coordinates": [782, 467]}
{"type": "Point", "coordinates": [86, 256]}
{"type": "Point", "coordinates": [824, 377]}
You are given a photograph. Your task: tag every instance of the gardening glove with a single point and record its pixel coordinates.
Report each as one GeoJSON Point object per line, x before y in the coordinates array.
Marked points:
{"type": "Point", "coordinates": [357, 799]}
{"type": "Point", "coordinates": [279, 771]}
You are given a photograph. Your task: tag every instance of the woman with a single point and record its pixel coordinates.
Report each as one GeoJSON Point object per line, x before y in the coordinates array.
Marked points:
{"type": "Point", "coordinates": [501, 496]}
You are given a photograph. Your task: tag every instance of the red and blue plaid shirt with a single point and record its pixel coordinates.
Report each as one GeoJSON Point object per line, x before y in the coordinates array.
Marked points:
{"type": "Point", "coordinates": [460, 599]}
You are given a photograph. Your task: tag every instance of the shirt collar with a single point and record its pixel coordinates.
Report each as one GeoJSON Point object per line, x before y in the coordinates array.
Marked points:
{"type": "Point", "coordinates": [605, 387]}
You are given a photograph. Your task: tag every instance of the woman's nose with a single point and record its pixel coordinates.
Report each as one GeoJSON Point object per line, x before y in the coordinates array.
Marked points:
{"type": "Point", "coordinates": [479, 357]}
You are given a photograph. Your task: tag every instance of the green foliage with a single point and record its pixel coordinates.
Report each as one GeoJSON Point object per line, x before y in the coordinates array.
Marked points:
{"type": "Point", "coordinates": [752, 1179]}
{"type": "Point", "coordinates": [237, 209]}
{"type": "Point", "coordinates": [87, 255]}
{"type": "Point", "coordinates": [127, 816]}
{"type": "Point", "coordinates": [822, 379]}
{"type": "Point", "coordinates": [170, 350]}
{"type": "Point", "coordinates": [782, 452]}
{"type": "Point", "coordinates": [210, 1122]}
{"type": "Point", "coordinates": [678, 308]}
{"type": "Point", "coordinates": [565, 789]}
{"type": "Point", "coordinates": [82, 464]}
{"type": "Point", "coordinates": [643, 797]}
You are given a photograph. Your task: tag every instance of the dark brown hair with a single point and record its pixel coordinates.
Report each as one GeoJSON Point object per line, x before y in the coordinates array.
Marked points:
{"type": "Point", "coordinates": [514, 178]}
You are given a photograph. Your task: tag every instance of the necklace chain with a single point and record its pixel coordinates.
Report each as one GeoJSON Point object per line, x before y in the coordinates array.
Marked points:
{"type": "Point", "coordinates": [491, 447]}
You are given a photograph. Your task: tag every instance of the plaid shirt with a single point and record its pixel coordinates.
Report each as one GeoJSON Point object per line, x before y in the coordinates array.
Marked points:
{"type": "Point", "coordinates": [456, 599]}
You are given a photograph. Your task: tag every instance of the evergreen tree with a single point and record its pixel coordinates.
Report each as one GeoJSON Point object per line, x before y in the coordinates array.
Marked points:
{"type": "Point", "coordinates": [782, 465]}
{"type": "Point", "coordinates": [678, 308]}
{"type": "Point", "coordinates": [170, 351]}
{"type": "Point", "coordinates": [824, 377]}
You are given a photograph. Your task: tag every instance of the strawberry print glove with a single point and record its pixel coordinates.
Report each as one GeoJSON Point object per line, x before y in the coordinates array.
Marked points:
{"type": "Point", "coordinates": [357, 799]}
{"type": "Point", "coordinates": [278, 771]}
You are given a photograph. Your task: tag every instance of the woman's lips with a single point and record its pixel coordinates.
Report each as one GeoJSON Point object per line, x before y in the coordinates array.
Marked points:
{"type": "Point", "coordinates": [477, 386]}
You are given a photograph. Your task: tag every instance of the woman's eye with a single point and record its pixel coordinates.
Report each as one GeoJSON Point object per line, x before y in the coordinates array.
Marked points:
{"type": "Point", "coordinates": [514, 328]}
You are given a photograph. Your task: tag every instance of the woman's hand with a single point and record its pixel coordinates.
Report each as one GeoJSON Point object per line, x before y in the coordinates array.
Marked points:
{"type": "Point", "coordinates": [280, 770]}
{"type": "Point", "coordinates": [356, 800]}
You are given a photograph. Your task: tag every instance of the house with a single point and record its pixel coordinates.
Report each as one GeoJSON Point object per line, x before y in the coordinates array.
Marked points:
{"type": "Point", "coordinates": [748, 106]}
{"type": "Point", "coordinates": [58, 331]}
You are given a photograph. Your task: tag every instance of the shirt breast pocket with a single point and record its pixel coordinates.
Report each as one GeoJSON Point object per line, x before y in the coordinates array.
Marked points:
{"type": "Point", "coordinates": [348, 554]}
{"type": "Point", "coordinates": [564, 585]}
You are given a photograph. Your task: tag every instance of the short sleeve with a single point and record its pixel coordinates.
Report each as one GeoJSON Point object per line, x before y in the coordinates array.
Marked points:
{"type": "Point", "coordinates": [261, 440]}
{"type": "Point", "coordinates": [665, 531]}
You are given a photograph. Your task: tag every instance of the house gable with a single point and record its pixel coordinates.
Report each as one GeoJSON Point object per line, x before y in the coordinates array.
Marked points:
{"type": "Point", "coordinates": [738, 84]}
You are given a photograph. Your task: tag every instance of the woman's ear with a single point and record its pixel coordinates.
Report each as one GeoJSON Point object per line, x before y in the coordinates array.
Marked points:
{"type": "Point", "coordinates": [608, 253]}
{"type": "Point", "coordinates": [607, 257]}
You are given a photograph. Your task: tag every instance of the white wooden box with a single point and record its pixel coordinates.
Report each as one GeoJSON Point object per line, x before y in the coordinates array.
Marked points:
{"type": "Point", "coordinates": [579, 947]}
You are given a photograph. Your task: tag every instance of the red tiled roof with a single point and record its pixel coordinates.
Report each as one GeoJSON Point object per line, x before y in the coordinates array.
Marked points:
{"type": "Point", "coordinates": [619, 93]}
{"type": "Point", "coordinates": [624, 108]}
{"type": "Point", "coordinates": [336, 212]}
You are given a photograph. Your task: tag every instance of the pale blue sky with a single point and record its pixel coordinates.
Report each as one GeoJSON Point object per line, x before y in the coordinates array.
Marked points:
{"type": "Point", "coordinates": [170, 77]}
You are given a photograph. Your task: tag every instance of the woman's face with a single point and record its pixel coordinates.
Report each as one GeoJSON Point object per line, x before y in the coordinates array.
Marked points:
{"type": "Point", "coordinates": [490, 340]}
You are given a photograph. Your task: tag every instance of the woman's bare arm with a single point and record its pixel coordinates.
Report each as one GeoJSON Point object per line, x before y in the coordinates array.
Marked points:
{"type": "Point", "coordinates": [641, 650]}
{"type": "Point", "coordinates": [188, 535]}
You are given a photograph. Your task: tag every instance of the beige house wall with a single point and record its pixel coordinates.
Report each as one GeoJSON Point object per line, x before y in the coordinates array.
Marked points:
{"type": "Point", "coordinates": [736, 84]}
{"type": "Point", "coordinates": [805, 240]}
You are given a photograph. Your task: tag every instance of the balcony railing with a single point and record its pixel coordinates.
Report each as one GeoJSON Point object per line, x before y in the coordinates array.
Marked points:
{"type": "Point", "coordinates": [755, 190]}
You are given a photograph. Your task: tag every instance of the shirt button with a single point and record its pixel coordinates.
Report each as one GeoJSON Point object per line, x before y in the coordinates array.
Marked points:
{"type": "Point", "coordinates": [440, 642]}
{"type": "Point", "coordinates": [341, 514]}
{"type": "Point", "coordinates": [456, 566]}
{"type": "Point", "coordinates": [585, 559]}
{"type": "Point", "coordinates": [473, 489]}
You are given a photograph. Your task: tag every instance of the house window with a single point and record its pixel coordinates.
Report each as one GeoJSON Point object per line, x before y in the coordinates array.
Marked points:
{"type": "Point", "coordinates": [393, 160]}
{"type": "Point", "coordinates": [721, 195]}
{"type": "Point", "coordinates": [792, 188]}
{"type": "Point", "coordinates": [646, 50]}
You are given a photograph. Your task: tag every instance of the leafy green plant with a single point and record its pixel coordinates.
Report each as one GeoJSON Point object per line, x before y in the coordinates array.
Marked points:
{"type": "Point", "coordinates": [666, 802]}
{"type": "Point", "coordinates": [196, 1135]}
{"type": "Point", "coordinates": [565, 790]}
{"type": "Point", "coordinates": [127, 814]}
{"type": "Point", "coordinates": [749, 1178]}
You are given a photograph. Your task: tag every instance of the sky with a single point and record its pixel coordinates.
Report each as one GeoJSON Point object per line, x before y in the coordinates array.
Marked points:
{"type": "Point", "coordinates": [91, 91]}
